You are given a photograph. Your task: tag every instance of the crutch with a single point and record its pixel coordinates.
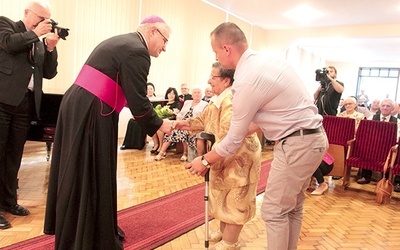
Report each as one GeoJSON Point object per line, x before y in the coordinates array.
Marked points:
{"type": "Point", "coordinates": [211, 138]}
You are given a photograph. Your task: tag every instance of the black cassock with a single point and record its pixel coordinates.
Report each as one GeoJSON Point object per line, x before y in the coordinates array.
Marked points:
{"type": "Point", "coordinates": [81, 205]}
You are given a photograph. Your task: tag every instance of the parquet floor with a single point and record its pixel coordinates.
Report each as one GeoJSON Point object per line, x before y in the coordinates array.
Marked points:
{"type": "Point", "coordinates": [337, 220]}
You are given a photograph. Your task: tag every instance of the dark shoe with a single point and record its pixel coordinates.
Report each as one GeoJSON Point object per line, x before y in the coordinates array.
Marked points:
{"type": "Point", "coordinates": [4, 224]}
{"type": "Point", "coordinates": [123, 147]}
{"type": "Point", "coordinates": [154, 151]}
{"type": "Point", "coordinates": [16, 210]}
{"type": "Point", "coordinates": [362, 180]}
{"type": "Point", "coordinates": [336, 177]}
{"type": "Point", "coordinates": [121, 234]}
{"type": "Point", "coordinates": [396, 187]}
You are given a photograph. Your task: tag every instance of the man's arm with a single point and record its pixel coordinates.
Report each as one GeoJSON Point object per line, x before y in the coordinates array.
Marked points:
{"type": "Point", "coordinates": [252, 128]}
{"type": "Point", "coordinates": [337, 86]}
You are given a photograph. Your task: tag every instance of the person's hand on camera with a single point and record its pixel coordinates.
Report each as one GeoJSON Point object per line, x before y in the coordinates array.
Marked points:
{"type": "Point", "coordinates": [330, 78]}
{"type": "Point", "coordinates": [52, 40]}
{"type": "Point", "coordinates": [43, 28]}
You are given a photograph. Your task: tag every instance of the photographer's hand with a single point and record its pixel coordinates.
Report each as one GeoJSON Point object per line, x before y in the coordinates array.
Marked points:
{"type": "Point", "coordinates": [336, 85]}
{"type": "Point", "coordinates": [42, 28]}
{"type": "Point", "coordinates": [52, 40]}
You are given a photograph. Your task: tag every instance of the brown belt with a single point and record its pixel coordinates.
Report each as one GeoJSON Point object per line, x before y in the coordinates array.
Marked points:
{"type": "Point", "coordinates": [305, 132]}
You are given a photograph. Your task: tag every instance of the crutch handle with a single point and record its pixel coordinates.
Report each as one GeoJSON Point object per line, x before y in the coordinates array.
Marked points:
{"type": "Point", "coordinates": [206, 136]}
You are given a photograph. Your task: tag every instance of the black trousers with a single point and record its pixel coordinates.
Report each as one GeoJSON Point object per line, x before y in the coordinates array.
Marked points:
{"type": "Point", "coordinates": [14, 125]}
{"type": "Point", "coordinates": [322, 170]}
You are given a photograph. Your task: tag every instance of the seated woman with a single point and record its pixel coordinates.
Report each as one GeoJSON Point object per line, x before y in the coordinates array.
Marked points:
{"type": "Point", "coordinates": [191, 108]}
{"type": "Point", "coordinates": [350, 103]}
{"type": "Point", "coordinates": [175, 105]}
{"type": "Point", "coordinates": [324, 168]}
{"type": "Point", "coordinates": [233, 181]}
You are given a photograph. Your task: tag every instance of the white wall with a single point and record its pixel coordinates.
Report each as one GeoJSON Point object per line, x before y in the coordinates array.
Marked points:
{"type": "Point", "coordinates": [189, 56]}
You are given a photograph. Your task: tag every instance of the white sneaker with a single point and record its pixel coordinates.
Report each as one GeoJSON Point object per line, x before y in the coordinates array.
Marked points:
{"type": "Point", "coordinates": [216, 236]}
{"type": "Point", "coordinates": [222, 245]}
{"type": "Point", "coordinates": [184, 158]}
{"type": "Point", "coordinates": [160, 156]}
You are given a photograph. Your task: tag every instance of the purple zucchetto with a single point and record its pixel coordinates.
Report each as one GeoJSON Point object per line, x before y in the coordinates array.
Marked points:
{"type": "Point", "coordinates": [153, 19]}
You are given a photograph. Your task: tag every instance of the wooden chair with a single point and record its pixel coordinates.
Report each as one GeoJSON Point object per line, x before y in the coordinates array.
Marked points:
{"type": "Point", "coordinates": [395, 163]}
{"type": "Point", "coordinates": [369, 149]}
{"type": "Point", "coordinates": [339, 131]}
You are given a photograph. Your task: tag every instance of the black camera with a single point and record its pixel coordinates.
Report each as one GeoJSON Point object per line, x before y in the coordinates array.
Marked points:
{"type": "Point", "coordinates": [322, 78]}
{"type": "Point", "coordinates": [62, 32]}
{"type": "Point", "coordinates": [321, 75]}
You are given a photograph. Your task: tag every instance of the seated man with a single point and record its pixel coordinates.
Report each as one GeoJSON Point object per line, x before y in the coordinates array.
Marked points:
{"type": "Point", "coordinates": [208, 94]}
{"type": "Point", "coordinates": [386, 107]}
{"type": "Point", "coordinates": [374, 109]}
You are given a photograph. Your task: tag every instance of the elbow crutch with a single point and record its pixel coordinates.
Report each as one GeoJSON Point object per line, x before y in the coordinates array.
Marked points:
{"type": "Point", "coordinates": [211, 138]}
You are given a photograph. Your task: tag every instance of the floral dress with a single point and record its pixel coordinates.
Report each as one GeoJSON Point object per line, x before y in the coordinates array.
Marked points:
{"type": "Point", "coordinates": [182, 135]}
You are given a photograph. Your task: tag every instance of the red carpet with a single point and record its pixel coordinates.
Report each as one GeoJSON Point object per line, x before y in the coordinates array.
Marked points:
{"type": "Point", "coordinates": [158, 221]}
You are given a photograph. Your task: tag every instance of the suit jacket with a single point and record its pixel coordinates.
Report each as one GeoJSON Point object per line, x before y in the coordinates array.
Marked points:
{"type": "Point", "coordinates": [16, 67]}
{"type": "Point", "coordinates": [377, 117]}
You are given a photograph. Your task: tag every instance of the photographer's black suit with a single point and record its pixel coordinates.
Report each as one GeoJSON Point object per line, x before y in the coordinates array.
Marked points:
{"type": "Point", "coordinates": [18, 105]}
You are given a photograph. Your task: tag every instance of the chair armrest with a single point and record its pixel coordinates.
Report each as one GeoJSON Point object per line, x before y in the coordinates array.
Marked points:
{"type": "Point", "coordinates": [394, 152]}
{"type": "Point", "coordinates": [350, 144]}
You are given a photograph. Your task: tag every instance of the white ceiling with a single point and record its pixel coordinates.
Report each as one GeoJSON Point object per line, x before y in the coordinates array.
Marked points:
{"type": "Point", "coordinates": [270, 14]}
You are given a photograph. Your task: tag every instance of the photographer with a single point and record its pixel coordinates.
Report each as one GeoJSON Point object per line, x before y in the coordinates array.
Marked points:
{"type": "Point", "coordinates": [25, 61]}
{"type": "Point", "coordinates": [328, 94]}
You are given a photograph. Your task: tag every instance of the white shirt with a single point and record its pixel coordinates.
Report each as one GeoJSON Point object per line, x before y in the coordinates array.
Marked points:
{"type": "Point", "coordinates": [196, 109]}
{"type": "Point", "coordinates": [268, 92]}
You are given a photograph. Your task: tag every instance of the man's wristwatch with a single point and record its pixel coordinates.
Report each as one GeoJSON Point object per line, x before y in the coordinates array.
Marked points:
{"type": "Point", "coordinates": [205, 162]}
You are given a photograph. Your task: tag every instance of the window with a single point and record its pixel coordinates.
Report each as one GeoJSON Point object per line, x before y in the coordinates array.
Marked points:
{"type": "Point", "coordinates": [379, 83]}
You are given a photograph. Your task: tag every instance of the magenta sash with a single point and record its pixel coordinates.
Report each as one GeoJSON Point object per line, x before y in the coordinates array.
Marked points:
{"type": "Point", "coordinates": [101, 86]}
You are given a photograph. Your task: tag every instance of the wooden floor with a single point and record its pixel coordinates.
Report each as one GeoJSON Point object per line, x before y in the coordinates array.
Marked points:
{"type": "Point", "coordinates": [337, 220]}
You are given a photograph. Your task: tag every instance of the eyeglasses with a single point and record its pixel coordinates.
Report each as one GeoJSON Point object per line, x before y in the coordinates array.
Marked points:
{"type": "Point", "coordinates": [164, 38]}
{"type": "Point", "coordinates": [40, 17]}
{"type": "Point", "coordinates": [213, 77]}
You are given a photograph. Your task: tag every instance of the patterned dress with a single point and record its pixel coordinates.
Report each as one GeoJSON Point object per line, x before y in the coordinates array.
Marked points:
{"type": "Point", "coordinates": [183, 135]}
{"type": "Point", "coordinates": [233, 181]}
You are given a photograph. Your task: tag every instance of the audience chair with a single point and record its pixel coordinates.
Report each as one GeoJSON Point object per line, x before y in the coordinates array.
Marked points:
{"type": "Point", "coordinates": [369, 149]}
{"type": "Point", "coordinates": [339, 131]}
{"type": "Point", "coordinates": [395, 163]}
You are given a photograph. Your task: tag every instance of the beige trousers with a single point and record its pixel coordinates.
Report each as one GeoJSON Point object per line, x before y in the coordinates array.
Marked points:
{"type": "Point", "coordinates": [295, 160]}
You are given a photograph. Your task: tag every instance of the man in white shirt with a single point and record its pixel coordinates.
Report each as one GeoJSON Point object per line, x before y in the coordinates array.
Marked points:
{"type": "Point", "coordinates": [268, 94]}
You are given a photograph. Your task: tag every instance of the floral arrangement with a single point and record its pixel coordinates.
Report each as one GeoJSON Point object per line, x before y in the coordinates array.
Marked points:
{"type": "Point", "coordinates": [163, 112]}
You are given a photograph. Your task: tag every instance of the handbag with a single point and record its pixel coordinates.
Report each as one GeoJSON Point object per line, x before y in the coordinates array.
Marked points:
{"type": "Point", "coordinates": [384, 188]}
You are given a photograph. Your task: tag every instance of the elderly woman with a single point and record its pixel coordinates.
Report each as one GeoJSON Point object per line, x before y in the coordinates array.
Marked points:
{"type": "Point", "coordinates": [191, 108]}
{"type": "Point", "coordinates": [350, 103]}
{"type": "Point", "coordinates": [233, 181]}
